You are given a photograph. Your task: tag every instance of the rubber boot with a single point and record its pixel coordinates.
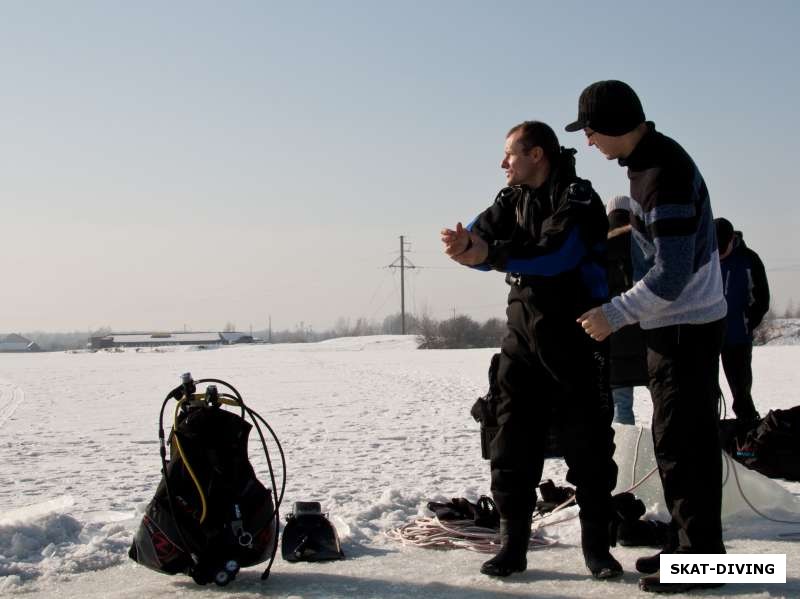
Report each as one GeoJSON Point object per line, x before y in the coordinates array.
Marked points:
{"type": "Point", "coordinates": [595, 542]}
{"type": "Point", "coordinates": [512, 557]}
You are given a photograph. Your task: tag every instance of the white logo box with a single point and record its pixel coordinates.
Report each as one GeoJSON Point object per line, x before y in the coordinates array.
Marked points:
{"type": "Point", "coordinates": [700, 567]}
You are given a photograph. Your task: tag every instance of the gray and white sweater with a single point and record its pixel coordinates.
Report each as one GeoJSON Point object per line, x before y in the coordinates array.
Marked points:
{"type": "Point", "coordinates": [675, 257]}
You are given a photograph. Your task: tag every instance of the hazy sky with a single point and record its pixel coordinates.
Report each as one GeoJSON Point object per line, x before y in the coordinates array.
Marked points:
{"type": "Point", "coordinates": [192, 163]}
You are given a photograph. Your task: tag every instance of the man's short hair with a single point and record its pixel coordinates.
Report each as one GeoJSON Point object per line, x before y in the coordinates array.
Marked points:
{"type": "Point", "coordinates": [537, 133]}
{"type": "Point", "coordinates": [724, 233]}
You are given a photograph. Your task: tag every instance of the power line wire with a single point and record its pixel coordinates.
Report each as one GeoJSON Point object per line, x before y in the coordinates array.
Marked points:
{"type": "Point", "coordinates": [375, 293]}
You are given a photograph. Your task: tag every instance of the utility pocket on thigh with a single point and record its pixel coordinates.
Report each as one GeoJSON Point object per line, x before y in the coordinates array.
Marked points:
{"type": "Point", "coordinates": [488, 433]}
{"type": "Point", "coordinates": [484, 410]}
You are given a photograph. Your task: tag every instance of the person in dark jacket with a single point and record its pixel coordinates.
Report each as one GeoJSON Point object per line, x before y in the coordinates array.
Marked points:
{"type": "Point", "coordinates": [746, 290]}
{"type": "Point", "coordinates": [628, 363]}
{"type": "Point", "coordinates": [547, 231]}
{"type": "Point", "coordinates": [678, 301]}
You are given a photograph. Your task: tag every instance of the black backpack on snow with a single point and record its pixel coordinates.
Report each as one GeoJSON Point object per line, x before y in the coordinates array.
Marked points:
{"type": "Point", "coordinates": [773, 447]}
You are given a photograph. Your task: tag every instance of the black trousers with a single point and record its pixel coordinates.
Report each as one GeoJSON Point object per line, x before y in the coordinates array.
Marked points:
{"type": "Point", "coordinates": [549, 368]}
{"type": "Point", "coordinates": [682, 362]}
{"type": "Point", "coordinates": [737, 364]}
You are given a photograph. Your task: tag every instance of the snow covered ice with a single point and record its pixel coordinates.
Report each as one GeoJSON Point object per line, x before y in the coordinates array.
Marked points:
{"type": "Point", "coordinates": [372, 428]}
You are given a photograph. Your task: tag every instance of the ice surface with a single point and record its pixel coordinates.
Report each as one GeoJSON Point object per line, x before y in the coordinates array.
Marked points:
{"type": "Point", "coordinates": [372, 428]}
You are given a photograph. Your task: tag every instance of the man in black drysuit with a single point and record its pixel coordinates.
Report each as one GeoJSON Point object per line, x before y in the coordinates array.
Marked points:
{"type": "Point", "coordinates": [547, 230]}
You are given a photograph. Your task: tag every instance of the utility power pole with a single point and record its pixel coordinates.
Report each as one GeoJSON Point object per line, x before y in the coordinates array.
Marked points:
{"type": "Point", "coordinates": [402, 266]}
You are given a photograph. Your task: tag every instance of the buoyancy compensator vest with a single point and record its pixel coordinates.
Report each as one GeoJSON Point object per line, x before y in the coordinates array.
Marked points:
{"type": "Point", "coordinates": [210, 515]}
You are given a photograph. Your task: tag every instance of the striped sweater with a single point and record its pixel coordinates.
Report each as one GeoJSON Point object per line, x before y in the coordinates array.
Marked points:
{"type": "Point", "coordinates": [675, 258]}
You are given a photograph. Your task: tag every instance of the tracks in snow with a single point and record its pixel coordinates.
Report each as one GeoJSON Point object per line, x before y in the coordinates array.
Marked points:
{"type": "Point", "coordinates": [11, 396]}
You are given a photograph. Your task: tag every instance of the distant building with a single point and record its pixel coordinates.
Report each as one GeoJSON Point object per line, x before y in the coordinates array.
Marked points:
{"type": "Point", "coordinates": [231, 337]}
{"type": "Point", "coordinates": [17, 343]}
{"type": "Point", "coordinates": [165, 339]}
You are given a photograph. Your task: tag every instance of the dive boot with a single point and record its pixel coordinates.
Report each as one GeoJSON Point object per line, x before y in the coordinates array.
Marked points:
{"type": "Point", "coordinates": [595, 542]}
{"type": "Point", "coordinates": [512, 557]}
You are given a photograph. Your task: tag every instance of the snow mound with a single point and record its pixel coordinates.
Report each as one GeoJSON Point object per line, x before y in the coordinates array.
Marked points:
{"type": "Point", "coordinates": [371, 342]}
{"type": "Point", "coordinates": [43, 541]}
{"type": "Point", "coordinates": [394, 508]}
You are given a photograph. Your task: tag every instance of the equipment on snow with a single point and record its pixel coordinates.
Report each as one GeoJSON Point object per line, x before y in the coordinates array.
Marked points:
{"type": "Point", "coordinates": [552, 496]}
{"type": "Point", "coordinates": [210, 515]}
{"type": "Point", "coordinates": [771, 447]}
{"type": "Point", "coordinates": [483, 512]}
{"type": "Point", "coordinates": [462, 524]}
{"type": "Point", "coordinates": [309, 536]}
{"type": "Point", "coordinates": [630, 530]}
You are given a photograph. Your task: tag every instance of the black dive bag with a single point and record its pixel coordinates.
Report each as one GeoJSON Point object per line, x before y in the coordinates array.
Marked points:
{"type": "Point", "coordinates": [773, 446]}
{"type": "Point", "coordinates": [210, 515]}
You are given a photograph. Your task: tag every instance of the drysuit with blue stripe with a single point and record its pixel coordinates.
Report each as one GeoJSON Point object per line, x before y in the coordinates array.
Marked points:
{"type": "Point", "coordinates": [551, 241]}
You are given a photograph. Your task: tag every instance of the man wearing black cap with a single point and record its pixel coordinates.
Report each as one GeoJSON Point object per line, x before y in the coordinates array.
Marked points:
{"type": "Point", "coordinates": [547, 230]}
{"type": "Point", "coordinates": [747, 293]}
{"type": "Point", "coordinates": [679, 303]}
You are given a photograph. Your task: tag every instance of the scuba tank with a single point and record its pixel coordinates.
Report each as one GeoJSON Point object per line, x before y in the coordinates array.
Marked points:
{"type": "Point", "coordinates": [210, 515]}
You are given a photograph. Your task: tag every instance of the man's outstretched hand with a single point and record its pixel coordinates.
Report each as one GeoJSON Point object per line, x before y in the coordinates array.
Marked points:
{"type": "Point", "coordinates": [595, 323]}
{"type": "Point", "coordinates": [465, 247]}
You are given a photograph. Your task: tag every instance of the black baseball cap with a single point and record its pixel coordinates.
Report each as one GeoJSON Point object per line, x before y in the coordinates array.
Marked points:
{"type": "Point", "coordinates": [608, 107]}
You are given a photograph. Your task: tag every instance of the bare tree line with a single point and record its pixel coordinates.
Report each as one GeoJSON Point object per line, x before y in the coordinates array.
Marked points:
{"type": "Point", "coordinates": [458, 332]}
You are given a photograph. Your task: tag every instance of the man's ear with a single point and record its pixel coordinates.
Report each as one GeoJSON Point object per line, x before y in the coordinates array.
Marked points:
{"type": "Point", "coordinates": [537, 153]}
